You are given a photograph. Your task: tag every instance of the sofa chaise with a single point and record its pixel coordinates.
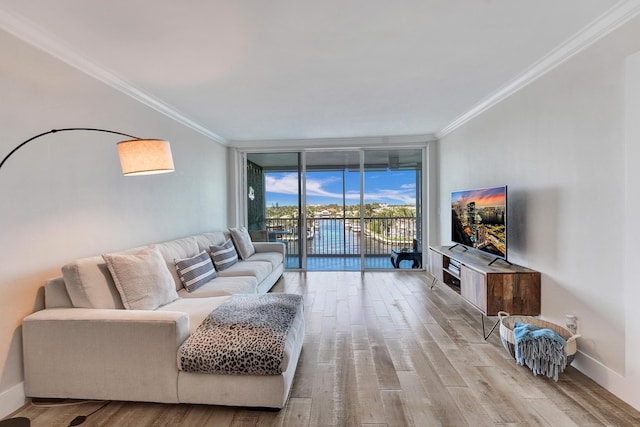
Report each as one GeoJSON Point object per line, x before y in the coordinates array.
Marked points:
{"type": "Point", "coordinates": [92, 341]}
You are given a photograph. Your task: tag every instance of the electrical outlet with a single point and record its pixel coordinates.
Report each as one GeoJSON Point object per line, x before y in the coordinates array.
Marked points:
{"type": "Point", "coordinates": [572, 323]}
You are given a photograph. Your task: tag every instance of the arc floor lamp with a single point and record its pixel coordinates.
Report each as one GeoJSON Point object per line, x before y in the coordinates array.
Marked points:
{"type": "Point", "coordinates": [138, 156]}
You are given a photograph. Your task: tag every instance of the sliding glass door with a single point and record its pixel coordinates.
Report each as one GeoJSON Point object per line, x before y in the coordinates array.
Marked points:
{"type": "Point", "coordinates": [339, 209]}
{"type": "Point", "coordinates": [332, 196]}
{"type": "Point", "coordinates": [392, 208]}
{"type": "Point", "coordinates": [274, 205]}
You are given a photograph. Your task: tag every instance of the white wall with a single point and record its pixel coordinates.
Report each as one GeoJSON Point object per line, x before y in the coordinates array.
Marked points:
{"type": "Point", "coordinates": [63, 196]}
{"type": "Point", "coordinates": [559, 144]}
{"type": "Point", "coordinates": [632, 231]}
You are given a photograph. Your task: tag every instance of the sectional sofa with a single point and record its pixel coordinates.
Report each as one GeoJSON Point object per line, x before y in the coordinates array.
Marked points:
{"type": "Point", "coordinates": [89, 342]}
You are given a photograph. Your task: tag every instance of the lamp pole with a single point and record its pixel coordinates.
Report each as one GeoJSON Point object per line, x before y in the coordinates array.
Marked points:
{"type": "Point", "coordinates": [61, 130]}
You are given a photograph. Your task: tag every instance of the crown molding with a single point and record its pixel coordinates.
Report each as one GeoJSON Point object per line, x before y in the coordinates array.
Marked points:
{"type": "Point", "coordinates": [615, 17]}
{"type": "Point", "coordinates": [39, 38]}
{"type": "Point", "coordinates": [342, 143]}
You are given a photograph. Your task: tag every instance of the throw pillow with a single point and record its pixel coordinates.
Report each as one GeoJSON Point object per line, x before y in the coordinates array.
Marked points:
{"type": "Point", "coordinates": [142, 278]}
{"type": "Point", "coordinates": [242, 242]}
{"type": "Point", "coordinates": [196, 271]}
{"type": "Point", "coordinates": [224, 256]}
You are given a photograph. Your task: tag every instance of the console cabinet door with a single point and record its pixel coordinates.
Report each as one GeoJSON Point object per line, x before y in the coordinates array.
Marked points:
{"type": "Point", "coordinates": [473, 287]}
{"type": "Point", "coordinates": [435, 265]}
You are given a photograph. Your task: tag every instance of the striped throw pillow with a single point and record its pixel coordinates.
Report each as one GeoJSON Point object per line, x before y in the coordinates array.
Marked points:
{"type": "Point", "coordinates": [224, 256]}
{"type": "Point", "coordinates": [196, 271]}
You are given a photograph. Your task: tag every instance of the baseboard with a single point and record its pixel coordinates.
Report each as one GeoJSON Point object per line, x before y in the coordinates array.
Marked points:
{"type": "Point", "coordinates": [622, 386]}
{"type": "Point", "coordinates": [12, 399]}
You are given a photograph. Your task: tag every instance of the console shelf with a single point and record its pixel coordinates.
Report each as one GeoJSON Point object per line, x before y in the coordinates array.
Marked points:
{"type": "Point", "coordinates": [491, 288]}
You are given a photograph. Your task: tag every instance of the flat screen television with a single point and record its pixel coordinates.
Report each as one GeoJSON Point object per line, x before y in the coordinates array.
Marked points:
{"type": "Point", "coordinates": [479, 219]}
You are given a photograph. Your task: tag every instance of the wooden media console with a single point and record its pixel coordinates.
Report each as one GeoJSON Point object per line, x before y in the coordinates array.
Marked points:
{"type": "Point", "coordinates": [491, 286]}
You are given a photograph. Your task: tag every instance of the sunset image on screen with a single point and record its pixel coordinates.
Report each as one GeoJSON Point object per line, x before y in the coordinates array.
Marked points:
{"type": "Point", "coordinates": [479, 219]}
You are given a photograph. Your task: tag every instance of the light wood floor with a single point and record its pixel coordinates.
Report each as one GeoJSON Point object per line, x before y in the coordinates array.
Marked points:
{"type": "Point", "coordinates": [383, 349]}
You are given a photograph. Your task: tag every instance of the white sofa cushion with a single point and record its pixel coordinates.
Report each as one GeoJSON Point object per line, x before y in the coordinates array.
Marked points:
{"type": "Point", "coordinates": [206, 240]}
{"type": "Point", "coordinates": [90, 284]}
{"type": "Point", "coordinates": [242, 242]}
{"type": "Point", "coordinates": [257, 269]}
{"type": "Point", "coordinates": [196, 308]}
{"type": "Point", "coordinates": [56, 294]}
{"type": "Point", "coordinates": [195, 271]}
{"type": "Point", "coordinates": [275, 258]}
{"type": "Point", "coordinates": [223, 286]}
{"type": "Point", "coordinates": [177, 249]}
{"type": "Point", "coordinates": [142, 278]}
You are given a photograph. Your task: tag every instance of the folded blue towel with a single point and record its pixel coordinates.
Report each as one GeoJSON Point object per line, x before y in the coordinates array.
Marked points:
{"type": "Point", "coordinates": [541, 349]}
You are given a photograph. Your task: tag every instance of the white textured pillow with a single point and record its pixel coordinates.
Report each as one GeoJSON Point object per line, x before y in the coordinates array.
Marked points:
{"type": "Point", "coordinates": [195, 271]}
{"type": "Point", "coordinates": [142, 278]}
{"type": "Point", "coordinates": [242, 242]}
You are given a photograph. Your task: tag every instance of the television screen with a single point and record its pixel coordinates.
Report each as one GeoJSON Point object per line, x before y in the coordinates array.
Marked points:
{"type": "Point", "coordinates": [479, 219]}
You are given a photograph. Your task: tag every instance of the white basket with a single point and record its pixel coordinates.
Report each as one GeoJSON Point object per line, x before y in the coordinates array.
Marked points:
{"type": "Point", "coordinates": [507, 323]}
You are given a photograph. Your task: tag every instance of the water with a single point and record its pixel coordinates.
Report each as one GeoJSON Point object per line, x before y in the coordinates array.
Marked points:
{"type": "Point", "coordinates": [335, 237]}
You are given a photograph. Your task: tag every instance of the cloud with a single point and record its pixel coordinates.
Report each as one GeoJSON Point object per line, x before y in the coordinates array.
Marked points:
{"type": "Point", "coordinates": [406, 197]}
{"type": "Point", "coordinates": [282, 184]}
{"type": "Point", "coordinates": [287, 183]}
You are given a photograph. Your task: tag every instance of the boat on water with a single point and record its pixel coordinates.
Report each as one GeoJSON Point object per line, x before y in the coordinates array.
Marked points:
{"type": "Point", "coordinates": [293, 235]}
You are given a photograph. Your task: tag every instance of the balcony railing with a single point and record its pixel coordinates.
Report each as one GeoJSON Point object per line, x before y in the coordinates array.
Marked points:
{"type": "Point", "coordinates": [342, 236]}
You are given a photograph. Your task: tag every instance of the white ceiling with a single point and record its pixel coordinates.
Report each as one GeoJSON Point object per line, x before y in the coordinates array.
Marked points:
{"type": "Point", "coordinates": [263, 70]}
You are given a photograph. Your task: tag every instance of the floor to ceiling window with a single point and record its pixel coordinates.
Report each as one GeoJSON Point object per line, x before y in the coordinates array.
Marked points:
{"type": "Point", "coordinates": [392, 208]}
{"type": "Point", "coordinates": [274, 205]}
{"type": "Point", "coordinates": [362, 209]}
{"type": "Point", "coordinates": [332, 184]}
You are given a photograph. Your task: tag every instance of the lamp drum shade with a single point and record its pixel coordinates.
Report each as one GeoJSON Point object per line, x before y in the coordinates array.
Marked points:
{"type": "Point", "coordinates": [145, 156]}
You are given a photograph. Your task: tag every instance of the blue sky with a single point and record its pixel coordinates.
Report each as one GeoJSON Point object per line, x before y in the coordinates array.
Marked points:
{"type": "Point", "coordinates": [392, 187]}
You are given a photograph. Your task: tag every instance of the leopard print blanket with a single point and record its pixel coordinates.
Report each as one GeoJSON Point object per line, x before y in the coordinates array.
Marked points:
{"type": "Point", "coordinates": [244, 336]}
